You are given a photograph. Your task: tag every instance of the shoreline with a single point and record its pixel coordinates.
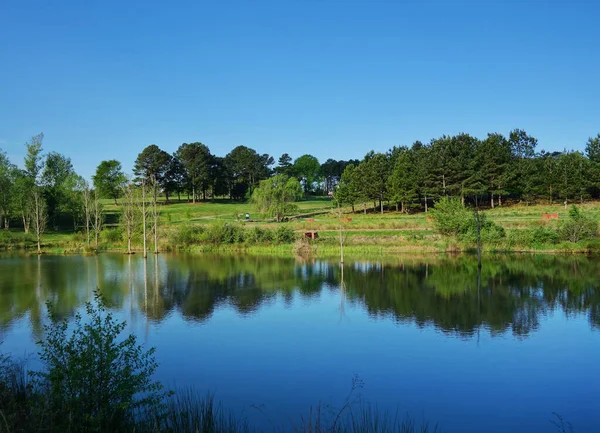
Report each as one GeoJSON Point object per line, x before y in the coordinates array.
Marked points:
{"type": "Point", "coordinates": [317, 250]}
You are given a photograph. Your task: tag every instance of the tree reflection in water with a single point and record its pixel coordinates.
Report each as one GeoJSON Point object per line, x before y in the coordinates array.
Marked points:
{"type": "Point", "coordinates": [511, 294]}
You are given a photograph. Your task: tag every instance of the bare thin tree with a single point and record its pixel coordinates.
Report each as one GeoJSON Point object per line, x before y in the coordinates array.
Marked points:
{"type": "Point", "coordinates": [155, 212]}
{"type": "Point", "coordinates": [129, 214]}
{"type": "Point", "coordinates": [39, 216]}
{"type": "Point", "coordinates": [97, 217]}
{"type": "Point", "coordinates": [143, 209]}
{"type": "Point", "coordinates": [86, 195]}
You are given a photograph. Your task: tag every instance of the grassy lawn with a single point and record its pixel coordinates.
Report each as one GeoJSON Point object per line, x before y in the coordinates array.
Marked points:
{"type": "Point", "coordinates": [392, 230]}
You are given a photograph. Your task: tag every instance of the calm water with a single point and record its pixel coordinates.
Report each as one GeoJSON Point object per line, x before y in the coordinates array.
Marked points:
{"type": "Point", "coordinates": [495, 353]}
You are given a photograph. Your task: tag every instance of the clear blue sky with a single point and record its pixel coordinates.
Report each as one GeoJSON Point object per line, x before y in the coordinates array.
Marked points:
{"type": "Point", "coordinates": [334, 78]}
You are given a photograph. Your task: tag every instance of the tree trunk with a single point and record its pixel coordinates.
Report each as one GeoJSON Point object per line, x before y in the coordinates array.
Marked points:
{"type": "Point", "coordinates": [500, 199]}
{"type": "Point", "coordinates": [96, 234]}
{"type": "Point", "coordinates": [128, 243]}
{"type": "Point", "coordinates": [38, 245]}
{"type": "Point", "coordinates": [155, 235]}
{"type": "Point", "coordinates": [402, 206]}
{"type": "Point", "coordinates": [352, 207]}
{"type": "Point", "coordinates": [426, 204]}
{"type": "Point", "coordinates": [365, 208]}
{"type": "Point", "coordinates": [444, 183]}
{"type": "Point", "coordinates": [194, 195]}
{"type": "Point", "coordinates": [116, 204]}
{"type": "Point", "coordinates": [396, 206]}
{"type": "Point", "coordinates": [25, 223]}
{"type": "Point", "coordinates": [566, 203]}
{"type": "Point", "coordinates": [492, 201]}
{"type": "Point", "coordinates": [381, 206]}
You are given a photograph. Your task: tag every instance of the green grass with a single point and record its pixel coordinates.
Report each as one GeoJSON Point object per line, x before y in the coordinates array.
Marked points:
{"type": "Point", "coordinates": [391, 232]}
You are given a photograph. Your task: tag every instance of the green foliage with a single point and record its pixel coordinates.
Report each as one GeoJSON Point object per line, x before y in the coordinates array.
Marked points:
{"type": "Point", "coordinates": [577, 227]}
{"type": "Point", "coordinates": [592, 149]}
{"type": "Point", "coordinates": [403, 180]}
{"type": "Point", "coordinates": [33, 157]}
{"type": "Point", "coordinates": [109, 179]}
{"type": "Point", "coordinates": [187, 234]}
{"type": "Point", "coordinates": [284, 235]}
{"type": "Point", "coordinates": [275, 196]}
{"type": "Point", "coordinates": [196, 161]}
{"type": "Point", "coordinates": [348, 191]}
{"type": "Point", "coordinates": [453, 219]}
{"type": "Point", "coordinates": [258, 235]}
{"type": "Point", "coordinates": [94, 380]}
{"type": "Point", "coordinates": [544, 235]}
{"type": "Point", "coordinates": [374, 175]}
{"type": "Point", "coordinates": [152, 163]}
{"type": "Point", "coordinates": [245, 168]}
{"type": "Point", "coordinates": [225, 233]}
{"type": "Point", "coordinates": [308, 170]}
{"type": "Point", "coordinates": [533, 237]}
{"type": "Point", "coordinates": [11, 239]}
{"type": "Point", "coordinates": [450, 216]}
{"type": "Point", "coordinates": [490, 232]}
{"type": "Point", "coordinates": [112, 235]}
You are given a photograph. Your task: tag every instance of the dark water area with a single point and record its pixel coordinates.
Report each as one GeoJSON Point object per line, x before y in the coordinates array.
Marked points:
{"type": "Point", "coordinates": [497, 351]}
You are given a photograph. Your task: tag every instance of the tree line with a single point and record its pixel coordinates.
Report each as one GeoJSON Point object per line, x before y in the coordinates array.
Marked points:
{"type": "Point", "coordinates": [484, 171]}
{"type": "Point", "coordinates": [48, 191]}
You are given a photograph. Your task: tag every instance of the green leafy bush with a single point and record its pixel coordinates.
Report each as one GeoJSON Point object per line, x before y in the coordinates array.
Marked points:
{"type": "Point", "coordinates": [225, 233]}
{"type": "Point", "coordinates": [453, 219]}
{"type": "Point", "coordinates": [284, 235]}
{"type": "Point", "coordinates": [94, 380]}
{"type": "Point", "coordinates": [111, 235]}
{"type": "Point", "coordinates": [7, 238]}
{"type": "Point", "coordinates": [450, 216]}
{"type": "Point", "coordinates": [257, 235]}
{"type": "Point", "coordinates": [543, 235]}
{"type": "Point", "coordinates": [187, 235]}
{"type": "Point", "coordinates": [577, 227]}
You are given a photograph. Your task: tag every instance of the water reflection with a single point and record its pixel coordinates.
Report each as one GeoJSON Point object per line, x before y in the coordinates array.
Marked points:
{"type": "Point", "coordinates": [511, 294]}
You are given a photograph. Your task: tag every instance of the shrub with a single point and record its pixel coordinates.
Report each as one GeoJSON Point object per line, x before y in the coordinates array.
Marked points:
{"type": "Point", "coordinates": [450, 216]}
{"type": "Point", "coordinates": [284, 235]}
{"type": "Point", "coordinates": [543, 235]}
{"type": "Point", "coordinates": [225, 233]}
{"type": "Point", "coordinates": [6, 238]}
{"type": "Point", "coordinates": [93, 379]}
{"type": "Point", "coordinates": [187, 235]}
{"type": "Point", "coordinates": [577, 227]}
{"type": "Point", "coordinates": [490, 231]}
{"type": "Point", "coordinates": [257, 235]}
{"type": "Point", "coordinates": [453, 219]}
{"type": "Point", "coordinates": [111, 235]}
{"type": "Point", "coordinates": [79, 237]}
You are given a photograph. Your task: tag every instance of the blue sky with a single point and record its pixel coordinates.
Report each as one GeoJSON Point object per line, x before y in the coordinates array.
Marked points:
{"type": "Point", "coordinates": [104, 79]}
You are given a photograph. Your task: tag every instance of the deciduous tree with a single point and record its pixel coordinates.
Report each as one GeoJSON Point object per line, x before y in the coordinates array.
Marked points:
{"type": "Point", "coordinates": [109, 179]}
{"type": "Point", "coordinates": [276, 196]}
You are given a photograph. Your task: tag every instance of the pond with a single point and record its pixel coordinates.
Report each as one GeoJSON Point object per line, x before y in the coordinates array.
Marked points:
{"type": "Point", "coordinates": [495, 351]}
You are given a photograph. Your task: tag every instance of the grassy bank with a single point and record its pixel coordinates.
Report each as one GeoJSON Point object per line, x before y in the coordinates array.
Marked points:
{"type": "Point", "coordinates": [201, 227]}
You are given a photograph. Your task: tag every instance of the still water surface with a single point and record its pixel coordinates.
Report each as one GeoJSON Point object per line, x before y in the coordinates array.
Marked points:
{"type": "Point", "coordinates": [494, 352]}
